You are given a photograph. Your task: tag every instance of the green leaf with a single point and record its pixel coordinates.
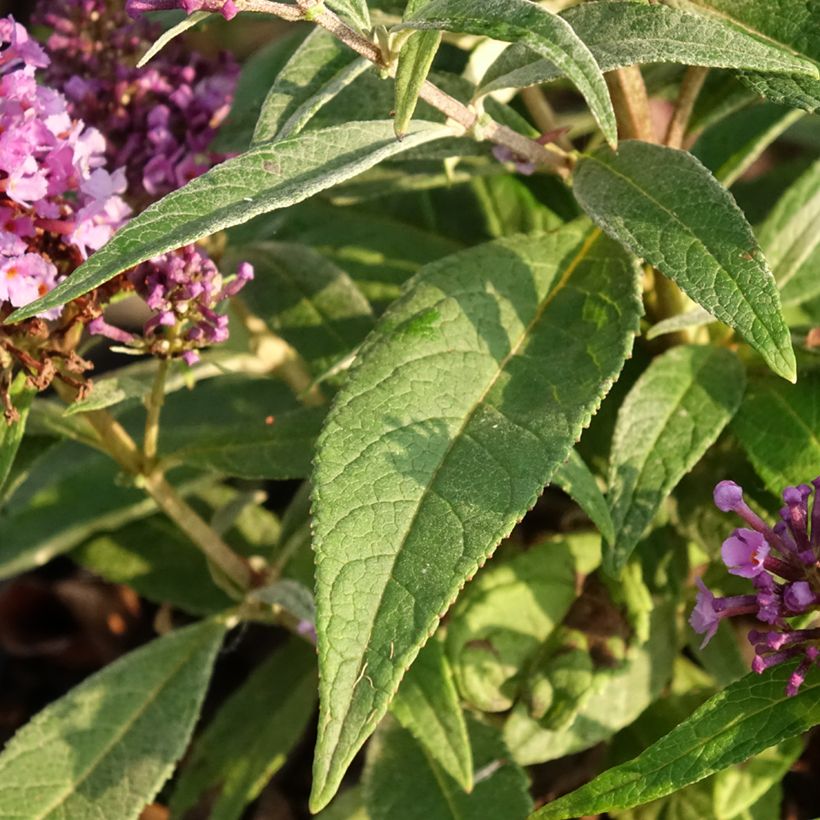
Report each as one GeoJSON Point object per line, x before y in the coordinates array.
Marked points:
{"type": "Point", "coordinates": [779, 428]}
{"type": "Point", "coordinates": [415, 60]}
{"type": "Point", "coordinates": [348, 805]}
{"type": "Point", "coordinates": [265, 178]}
{"type": "Point", "coordinates": [172, 33]}
{"type": "Point", "coordinates": [402, 782]}
{"type": "Point", "coordinates": [666, 207]}
{"type": "Point", "coordinates": [106, 748]}
{"type": "Point", "coordinates": [731, 146]}
{"type": "Point", "coordinates": [502, 619]}
{"type": "Point", "coordinates": [238, 753]}
{"type": "Point", "coordinates": [670, 418]}
{"type": "Point", "coordinates": [355, 10]}
{"type": "Point", "coordinates": [742, 720]}
{"type": "Point", "coordinates": [545, 33]}
{"type": "Point", "coordinates": [789, 237]}
{"type": "Point", "coordinates": [464, 400]}
{"type": "Point", "coordinates": [427, 706]}
{"type": "Point", "coordinates": [578, 482]}
{"type": "Point", "coordinates": [12, 434]}
{"type": "Point", "coordinates": [307, 300]}
{"type": "Point", "coordinates": [788, 24]}
{"type": "Point", "coordinates": [625, 33]}
{"type": "Point", "coordinates": [318, 70]}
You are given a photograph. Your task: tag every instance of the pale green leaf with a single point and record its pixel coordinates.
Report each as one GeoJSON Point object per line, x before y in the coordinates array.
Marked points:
{"type": "Point", "coordinates": [172, 33]}
{"type": "Point", "coordinates": [578, 482]}
{"type": "Point", "coordinates": [402, 781]}
{"type": "Point", "coordinates": [427, 706]}
{"type": "Point", "coordinates": [779, 428]}
{"type": "Point", "coordinates": [12, 434]}
{"type": "Point", "coordinates": [318, 70]}
{"type": "Point", "coordinates": [106, 748]}
{"type": "Point", "coordinates": [265, 178]}
{"type": "Point", "coordinates": [682, 321]}
{"type": "Point", "coordinates": [667, 208]}
{"type": "Point", "coordinates": [239, 751]}
{"type": "Point", "coordinates": [355, 10]}
{"type": "Point", "coordinates": [744, 719]}
{"type": "Point", "coordinates": [670, 418]}
{"type": "Point", "coordinates": [347, 805]}
{"type": "Point", "coordinates": [625, 33]}
{"type": "Point", "coordinates": [463, 402]}
{"type": "Point", "coordinates": [534, 26]}
{"type": "Point", "coordinates": [414, 62]}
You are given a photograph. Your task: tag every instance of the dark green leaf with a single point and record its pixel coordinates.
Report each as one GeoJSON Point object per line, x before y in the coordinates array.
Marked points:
{"type": "Point", "coordinates": [534, 26]}
{"type": "Point", "coordinates": [12, 434]}
{"type": "Point", "coordinates": [415, 60]}
{"type": "Point", "coordinates": [265, 178]}
{"type": "Point", "coordinates": [737, 723]}
{"type": "Point", "coordinates": [666, 207]}
{"type": "Point", "coordinates": [250, 737]}
{"type": "Point", "coordinates": [106, 748]}
{"type": "Point", "coordinates": [672, 415]}
{"type": "Point", "coordinates": [463, 402]}
{"type": "Point", "coordinates": [576, 480]}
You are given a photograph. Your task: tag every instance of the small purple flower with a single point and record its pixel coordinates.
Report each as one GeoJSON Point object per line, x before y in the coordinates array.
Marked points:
{"type": "Point", "coordinates": [704, 618]}
{"type": "Point", "coordinates": [744, 553]}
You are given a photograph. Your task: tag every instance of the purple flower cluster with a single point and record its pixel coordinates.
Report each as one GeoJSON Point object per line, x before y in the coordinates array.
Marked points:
{"type": "Point", "coordinates": [158, 121]}
{"type": "Point", "coordinates": [185, 291]}
{"type": "Point", "coordinates": [783, 563]}
{"type": "Point", "coordinates": [57, 200]}
{"type": "Point", "coordinates": [227, 8]}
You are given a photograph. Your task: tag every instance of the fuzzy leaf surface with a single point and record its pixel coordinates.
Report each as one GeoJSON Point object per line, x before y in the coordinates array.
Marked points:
{"type": "Point", "coordinates": [265, 178]}
{"type": "Point", "coordinates": [671, 416]}
{"type": "Point", "coordinates": [520, 21]}
{"type": "Point", "coordinates": [106, 748]}
{"type": "Point", "coordinates": [744, 719]}
{"type": "Point", "coordinates": [666, 207]}
{"type": "Point", "coordinates": [463, 402]}
{"type": "Point", "coordinates": [415, 60]}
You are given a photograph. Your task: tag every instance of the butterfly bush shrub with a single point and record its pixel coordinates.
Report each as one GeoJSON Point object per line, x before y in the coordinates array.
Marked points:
{"type": "Point", "coordinates": [455, 328]}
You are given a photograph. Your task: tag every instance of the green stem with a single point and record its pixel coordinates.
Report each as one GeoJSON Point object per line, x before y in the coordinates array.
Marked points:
{"type": "Point", "coordinates": [154, 407]}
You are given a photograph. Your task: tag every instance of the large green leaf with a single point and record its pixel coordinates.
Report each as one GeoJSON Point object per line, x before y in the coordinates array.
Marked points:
{"type": "Point", "coordinates": [779, 427]}
{"type": "Point", "coordinates": [789, 237]}
{"type": "Point", "coordinates": [319, 68]}
{"type": "Point", "coordinates": [265, 178]}
{"type": "Point", "coordinates": [789, 24]}
{"type": "Point", "coordinates": [673, 414]}
{"type": "Point", "coordinates": [12, 434]}
{"type": "Point", "coordinates": [666, 207]}
{"type": "Point", "coordinates": [747, 717]}
{"type": "Point", "coordinates": [427, 706]}
{"type": "Point", "coordinates": [402, 781]}
{"type": "Point", "coordinates": [106, 748]}
{"type": "Point", "coordinates": [624, 33]}
{"type": "Point", "coordinates": [463, 402]}
{"type": "Point", "coordinates": [545, 33]}
{"type": "Point", "coordinates": [238, 753]}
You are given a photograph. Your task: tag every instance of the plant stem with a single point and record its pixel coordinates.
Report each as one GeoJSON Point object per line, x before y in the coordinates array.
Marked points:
{"type": "Point", "coordinates": [551, 157]}
{"type": "Point", "coordinates": [154, 408]}
{"type": "Point", "coordinates": [690, 87]}
{"type": "Point", "coordinates": [631, 104]}
{"type": "Point", "coordinates": [542, 114]}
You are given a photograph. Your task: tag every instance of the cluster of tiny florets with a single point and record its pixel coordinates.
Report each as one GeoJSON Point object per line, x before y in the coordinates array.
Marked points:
{"type": "Point", "coordinates": [783, 563]}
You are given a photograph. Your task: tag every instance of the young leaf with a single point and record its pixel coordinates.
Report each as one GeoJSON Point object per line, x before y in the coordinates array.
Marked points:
{"type": "Point", "coordinates": [172, 33]}
{"type": "Point", "coordinates": [742, 720]}
{"type": "Point", "coordinates": [789, 236]}
{"type": "Point", "coordinates": [576, 480]}
{"type": "Point", "coordinates": [673, 414]}
{"type": "Point", "coordinates": [355, 10]}
{"type": "Point", "coordinates": [319, 68]}
{"type": "Point", "coordinates": [427, 706]}
{"type": "Point", "coordinates": [307, 300]}
{"type": "Point", "coordinates": [532, 25]}
{"type": "Point", "coordinates": [666, 207]}
{"type": "Point", "coordinates": [12, 434]}
{"type": "Point", "coordinates": [463, 402]}
{"type": "Point", "coordinates": [106, 748]}
{"type": "Point", "coordinates": [402, 782]}
{"type": "Point", "coordinates": [697, 317]}
{"type": "Point", "coordinates": [779, 428]}
{"type": "Point", "coordinates": [622, 33]}
{"type": "Point", "coordinates": [415, 60]}
{"type": "Point", "coordinates": [250, 737]}
{"type": "Point", "coordinates": [265, 178]}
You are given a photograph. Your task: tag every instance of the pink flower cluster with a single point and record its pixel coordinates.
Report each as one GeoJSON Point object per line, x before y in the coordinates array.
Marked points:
{"type": "Point", "coordinates": [57, 200]}
{"type": "Point", "coordinates": [783, 563]}
{"type": "Point", "coordinates": [158, 121]}
{"type": "Point", "coordinates": [227, 8]}
{"type": "Point", "coordinates": [186, 290]}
